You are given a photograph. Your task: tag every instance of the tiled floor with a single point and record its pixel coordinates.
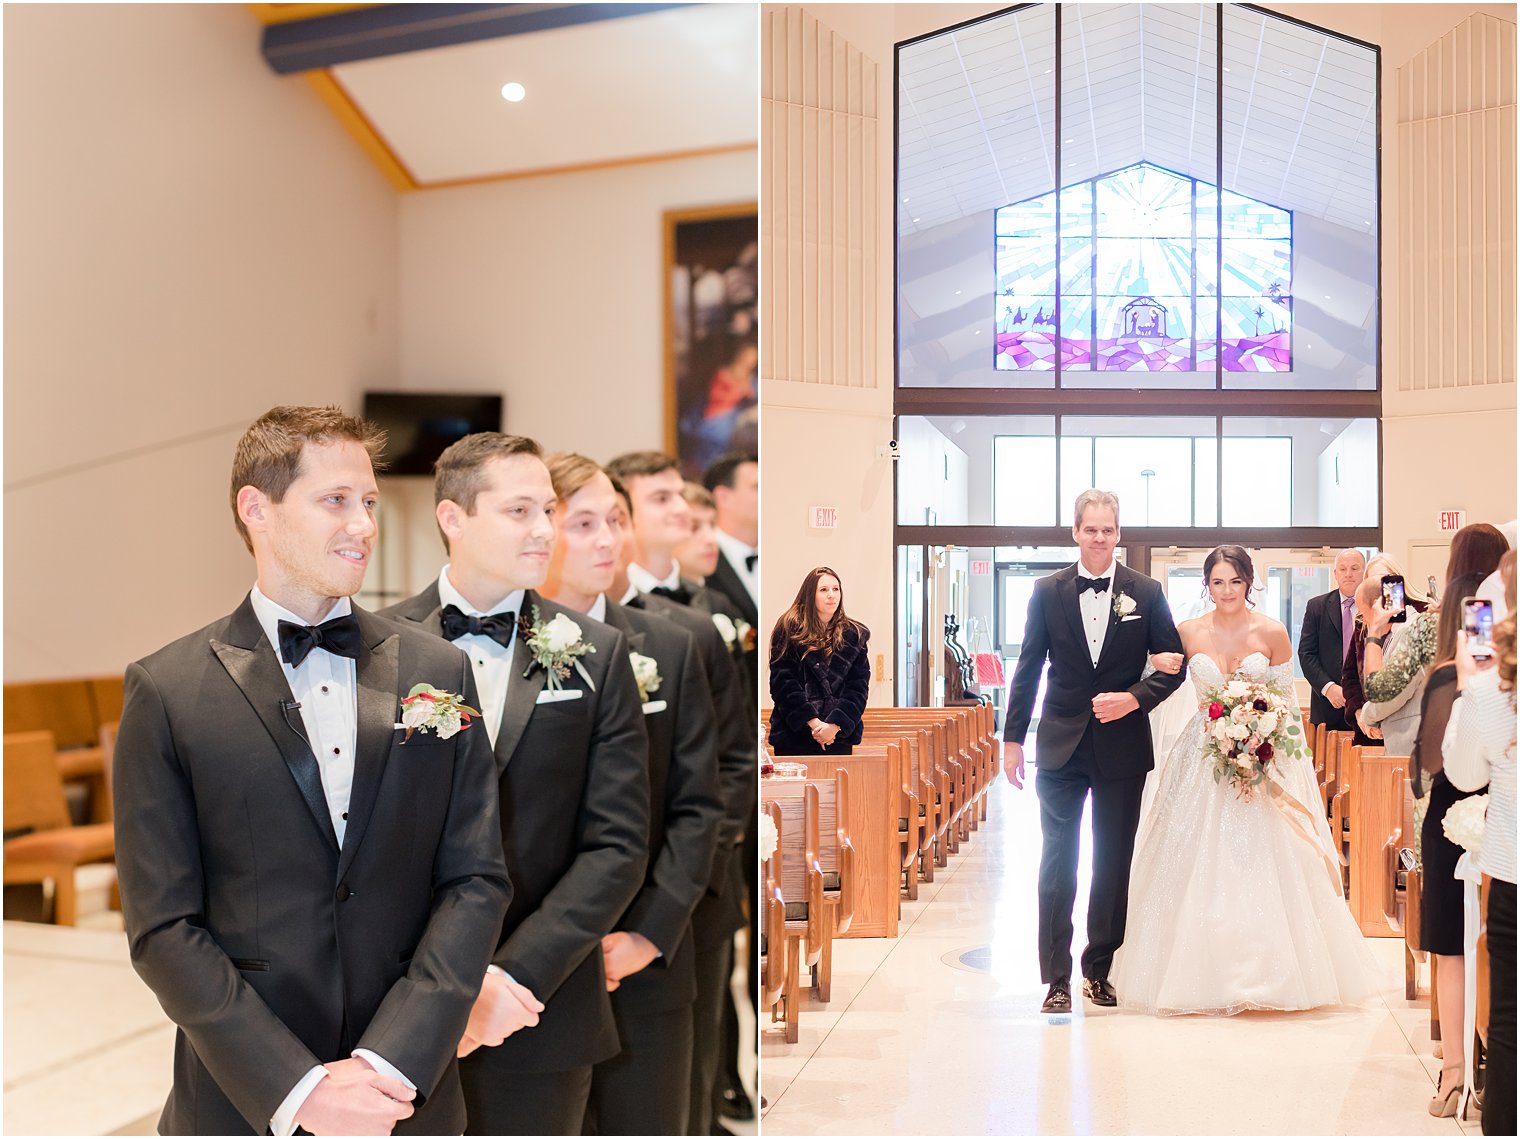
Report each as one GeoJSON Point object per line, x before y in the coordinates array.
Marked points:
{"type": "Point", "coordinates": [88, 1051]}
{"type": "Point", "coordinates": [914, 1043]}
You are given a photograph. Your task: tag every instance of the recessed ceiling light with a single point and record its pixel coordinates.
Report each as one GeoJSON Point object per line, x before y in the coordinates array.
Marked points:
{"type": "Point", "coordinates": [905, 201]}
{"type": "Point", "coordinates": [1285, 71]}
{"type": "Point", "coordinates": [1227, 69]}
{"type": "Point", "coordinates": [957, 292]}
{"type": "Point", "coordinates": [513, 92]}
{"type": "Point", "coordinates": [1327, 296]}
{"type": "Point", "coordinates": [915, 221]}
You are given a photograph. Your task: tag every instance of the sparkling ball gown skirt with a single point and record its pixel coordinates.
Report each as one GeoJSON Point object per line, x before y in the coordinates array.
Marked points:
{"type": "Point", "coordinates": [1236, 903]}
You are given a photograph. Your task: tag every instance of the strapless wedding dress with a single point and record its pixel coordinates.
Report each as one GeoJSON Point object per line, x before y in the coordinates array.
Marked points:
{"type": "Point", "coordinates": [1234, 903]}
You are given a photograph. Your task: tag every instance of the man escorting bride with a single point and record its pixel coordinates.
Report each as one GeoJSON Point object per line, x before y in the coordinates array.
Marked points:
{"type": "Point", "coordinates": [1237, 900]}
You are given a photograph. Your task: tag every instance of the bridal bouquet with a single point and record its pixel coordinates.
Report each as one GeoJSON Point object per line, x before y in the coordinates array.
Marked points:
{"type": "Point", "coordinates": [1249, 728]}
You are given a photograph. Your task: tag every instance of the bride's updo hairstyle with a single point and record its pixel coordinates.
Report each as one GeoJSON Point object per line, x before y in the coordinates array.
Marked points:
{"type": "Point", "coordinates": [1238, 560]}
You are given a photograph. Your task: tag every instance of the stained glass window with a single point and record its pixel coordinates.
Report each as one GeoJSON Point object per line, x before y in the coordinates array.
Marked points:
{"type": "Point", "coordinates": [1135, 259]}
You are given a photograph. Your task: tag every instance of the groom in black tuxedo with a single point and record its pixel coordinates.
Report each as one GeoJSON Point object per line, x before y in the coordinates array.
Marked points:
{"type": "Point", "coordinates": [311, 893]}
{"type": "Point", "coordinates": [1097, 623]}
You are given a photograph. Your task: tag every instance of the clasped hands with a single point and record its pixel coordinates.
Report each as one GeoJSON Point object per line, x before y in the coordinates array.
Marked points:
{"type": "Point", "coordinates": [823, 733]}
{"type": "Point", "coordinates": [503, 1007]}
{"type": "Point", "coordinates": [625, 953]}
{"type": "Point", "coordinates": [1106, 706]}
{"type": "Point", "coordinates": [354, 1099]}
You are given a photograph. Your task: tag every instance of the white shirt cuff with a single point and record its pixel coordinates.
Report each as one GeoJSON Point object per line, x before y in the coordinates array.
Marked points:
{"type": "Point", "coordinates": [1325, 691]}
{"type": "Point", "coordinates": [284, 1121]}
{"type": "Point", "coordinates": [500, 972]}
{"type": "Point", "coordinates": [383, 1066]}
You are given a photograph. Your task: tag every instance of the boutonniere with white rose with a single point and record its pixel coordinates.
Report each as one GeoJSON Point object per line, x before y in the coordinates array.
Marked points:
{"type": "Point", "coordinates": [557, 648]}
{"type": "Point", "coordinates": [429, 709]}
{"type": "Point", "coordinates": [646, 672]}
{"type": "Point", "coordinates": [1124, 604]}
{"type": "Point", "coordinates": [727, 629]}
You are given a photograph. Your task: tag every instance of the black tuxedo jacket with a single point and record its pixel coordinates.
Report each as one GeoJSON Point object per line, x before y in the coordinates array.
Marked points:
{"type": "Point", "coordinates": [1320, 657]}
{"type": "Point", "coordinates": [738, 755]}
{"type": "Point", "coordinates": [1122, 747]}
{"type": "Point", "coordinates": [272, 949]}
{"type": "Point", "coordinates": [574, 788]}
{"type": "Point", "coordinates": [725, 580]}
{"type": "Point", "coordinates": [685, 810]}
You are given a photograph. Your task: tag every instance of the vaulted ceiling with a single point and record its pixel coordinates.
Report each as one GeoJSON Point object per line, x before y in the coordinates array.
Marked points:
{"type": "Point", "coordinates": [977, 107]}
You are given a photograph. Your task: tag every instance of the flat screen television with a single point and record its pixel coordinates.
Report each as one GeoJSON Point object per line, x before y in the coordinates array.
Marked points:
{"type": "Point", "coordinates": [419, 425]}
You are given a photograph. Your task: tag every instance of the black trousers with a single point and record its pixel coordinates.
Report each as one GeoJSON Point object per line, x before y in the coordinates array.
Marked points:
{"type": "Point", "coordinates": [712, 934]}
{"type": "Point", "coordinates": [524, 1103]}
{"type": "Point", "coordinates": [1499, 1088]}
{"type": "Point", "coordinates": [1062, 792]}
{"type": "Point", "coordinates": [646, 1088]}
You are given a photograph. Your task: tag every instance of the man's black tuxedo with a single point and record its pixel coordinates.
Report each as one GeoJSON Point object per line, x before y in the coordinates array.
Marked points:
{"type": "Point", "coordinates": [725, 579]}
{"type": "Point", "coordinates": [645, 1088]}
{"type": "Point", "coordinates": [1321, 658]}
{"type": "Point", "coordinates": [1075, 754]}
{"type": "Point", "coordinates": [272, 949]}
{"type": "Point", "coordinates": [574, 789]}
{"type": "Point", "coordinates": [1054, 632]}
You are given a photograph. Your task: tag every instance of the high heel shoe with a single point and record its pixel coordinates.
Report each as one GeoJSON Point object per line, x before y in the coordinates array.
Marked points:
{"type": "Point", "coordinates": [1443, 1105]}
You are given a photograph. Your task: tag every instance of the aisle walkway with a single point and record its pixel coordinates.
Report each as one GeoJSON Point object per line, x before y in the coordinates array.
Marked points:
{"type": "Point", "coordinates": [915, 1042]}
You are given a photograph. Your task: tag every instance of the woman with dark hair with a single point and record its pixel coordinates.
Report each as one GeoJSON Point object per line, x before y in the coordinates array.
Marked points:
{"type": "Point", "coordinates": [1441, 925]}
{"type": "Point", "coordinates": [820, 673]}
{"type": "Point", "coordinates": [1235, 893]}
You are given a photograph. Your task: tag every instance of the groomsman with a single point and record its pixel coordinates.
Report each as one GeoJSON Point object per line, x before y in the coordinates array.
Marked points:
{"type": "Point", "coordinates": [311, 892]}
{"type": "Point", "coordinates": [1325, 640]}
{"type": "Point", "coordinates": [650, 957]}
{"type": "Point", "coordinates": [559, 699]}
{"type": "Point", "coordinates": [658, 520]}
{"type": "Point", "coordinates": [734, 483]}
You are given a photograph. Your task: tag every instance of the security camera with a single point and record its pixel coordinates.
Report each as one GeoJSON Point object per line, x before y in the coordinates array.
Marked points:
{"type": "Point", "coordinates": [891, 449]}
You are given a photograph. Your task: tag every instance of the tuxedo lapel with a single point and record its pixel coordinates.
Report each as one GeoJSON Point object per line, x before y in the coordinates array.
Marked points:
{"type": "Point", "coordinates": [615, 617]}
{"type": "Point", "coordinates": [1119, 586]}
{"type": "Point", "coordinates": [1066, 590]}
{"type": "Point", "coordinates": [250, 661]}
{"type": "Point", "coordinates": [1333, 603]}
{"type": "Point", "coordinates": [378, 706]}
{"type": "Point", "coordinates": [522, 691]}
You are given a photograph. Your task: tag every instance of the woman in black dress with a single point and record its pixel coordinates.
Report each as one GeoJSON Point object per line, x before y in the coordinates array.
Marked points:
{"type": "Point", "coordinates": [1441, 921]}
{"type": "Point", "coordinates": [820, 673]}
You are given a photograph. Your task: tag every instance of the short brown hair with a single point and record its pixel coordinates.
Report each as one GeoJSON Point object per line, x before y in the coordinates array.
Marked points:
{"type": "Point", "coordinates": [456, 474]}
{"type": "Point", "coordinates": [268, 456]}
{"type": "Point", "coordinates": [570, 472]}
{"type": "Point", "coordinates": [638, 464]}
{"type": "Point", "coordinates": [696, 494]}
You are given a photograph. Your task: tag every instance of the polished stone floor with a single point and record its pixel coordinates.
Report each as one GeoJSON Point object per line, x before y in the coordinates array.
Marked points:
{"type": "Point", "coordinates": [87, 1049]}
{"type": "Point", "coordinates": [917, 1042]}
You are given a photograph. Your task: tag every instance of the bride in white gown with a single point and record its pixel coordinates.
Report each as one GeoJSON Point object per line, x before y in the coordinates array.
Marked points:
{"type": "Point", "coordinates": [1235, 903]}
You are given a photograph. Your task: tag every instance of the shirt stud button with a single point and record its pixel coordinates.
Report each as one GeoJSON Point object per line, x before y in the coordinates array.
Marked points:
{"type": "Point", "coordinates": [337, 751]}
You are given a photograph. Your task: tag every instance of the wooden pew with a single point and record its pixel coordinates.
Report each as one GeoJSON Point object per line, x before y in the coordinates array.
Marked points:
{"type": "Point", "coordinates": [802, 893]}
{"type": "Point", "coordinates": [946, 766]}
{"type": "Point", "coordinates": [836, 859]}
{"type": "Point", "coordinates": [925, 791]}
{"type": "Point", "coordinates": [75, 711]}
{"type": "Point", "coordinates": [773, 980]}
{"type": "Point", "coordinates": [1378, 786]}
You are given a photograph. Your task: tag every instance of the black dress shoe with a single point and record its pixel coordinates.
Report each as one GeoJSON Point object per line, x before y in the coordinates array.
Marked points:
{"type": "Point", "coordinates": [1100, 992]}
{"type": "Point", "coordinates": [736, 1105]}
{"type": "Point", "coordinates": [1058, 999]}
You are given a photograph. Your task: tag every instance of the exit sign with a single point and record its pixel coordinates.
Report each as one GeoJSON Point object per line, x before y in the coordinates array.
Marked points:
{"type": "Point", "coordinates": [981, 569]}
{"type": "Point", "coordinates": [823, 517]}
{"type": "Point", "coordinates": [1450, 521]}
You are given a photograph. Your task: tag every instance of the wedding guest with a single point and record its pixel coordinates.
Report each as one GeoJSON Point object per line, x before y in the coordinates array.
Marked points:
{"type": "Point", "coordinates": [1394, 722]}
{"type": "Point", "coordinates": [820, 671]}
{"type": "Point", "coordinates": [1441, 922]}
{"type": "Point", "coordinates": [649, 958]}
{"type": "Point", "coordinates": [658, 520]}
{"type": "Point", "coordinates": [1480, 749]}
{"type": "Point", "coordinates": [561, 705]}
{"type": "Point", "coordinates": [310, 893]}
{"type": "Point", "coordinates": [1492, 589]}
{"type": "Point", "coordinates": [1324, 642]}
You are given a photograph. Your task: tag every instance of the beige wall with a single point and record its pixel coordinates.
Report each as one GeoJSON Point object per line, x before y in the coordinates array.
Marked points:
{"type": "Point", "coordinates": [188, 240]}
{"type": "Point", "coordinates": [841, 428]}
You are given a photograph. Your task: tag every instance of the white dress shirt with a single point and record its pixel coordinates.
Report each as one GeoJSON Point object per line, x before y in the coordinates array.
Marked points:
{"type": "Point", "coordinates": [1096, 608]}
{"type": "Point", "coordinates": [738, 553]}
{"type": "Point", "coordinates": [325, 687]}
{"type": "Point", "coordinates": [598, 610]}
{"type": "Point", "coordinates": [642, 580]}
{"type": "Point", "coordinates": [491, 662]}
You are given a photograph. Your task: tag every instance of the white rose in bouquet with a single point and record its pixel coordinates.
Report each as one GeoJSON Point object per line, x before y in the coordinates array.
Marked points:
{"type": "Point", "coordinates": [561, 633]}
{"type": "Point", "coordinates": [1239, 731]}
{"type": "Point", "coordinates": [1464, 821]}
{"type": "Point", "coordinates": [1267, 724]}
{"type": "Point", "coordinates": [767, 838]}
{"type": "Point", "coordinates": [1236, 689]}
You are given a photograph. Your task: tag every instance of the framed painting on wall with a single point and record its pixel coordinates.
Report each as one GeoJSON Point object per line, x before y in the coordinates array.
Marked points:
{"type": "Point", "coordinates": [711, 335]}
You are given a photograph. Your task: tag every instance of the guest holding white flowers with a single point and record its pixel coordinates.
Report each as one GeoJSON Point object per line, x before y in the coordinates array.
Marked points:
{"type": "Point", "coordinates": [1480, 748]}
{"type": "Point", "coordinates": [560, 702]}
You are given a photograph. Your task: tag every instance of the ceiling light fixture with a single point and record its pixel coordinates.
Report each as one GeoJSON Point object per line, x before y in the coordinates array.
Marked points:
{"type": "Point", "coordinates": [513, 92]}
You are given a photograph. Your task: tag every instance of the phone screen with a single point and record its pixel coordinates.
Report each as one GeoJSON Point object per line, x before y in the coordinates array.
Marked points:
{"type": "Point", "coordinates": [1478, 624]}
{"type": "Point", "coordinates": [1393, 596]}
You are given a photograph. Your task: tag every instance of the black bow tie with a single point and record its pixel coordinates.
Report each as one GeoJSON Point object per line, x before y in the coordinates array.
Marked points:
{"type": "Point", "coordinates": [340, 636]}
{"type": "Point", "coordinates": [751, 561]}
{"type": "Point", "coordinates": [680, 594]}
{"type": "Point", "coordinates": [1096, 584]}
{"type": "Point", "coordinates": [498, 626]}
{"type": "Point", "coordinates": [634, 602]}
